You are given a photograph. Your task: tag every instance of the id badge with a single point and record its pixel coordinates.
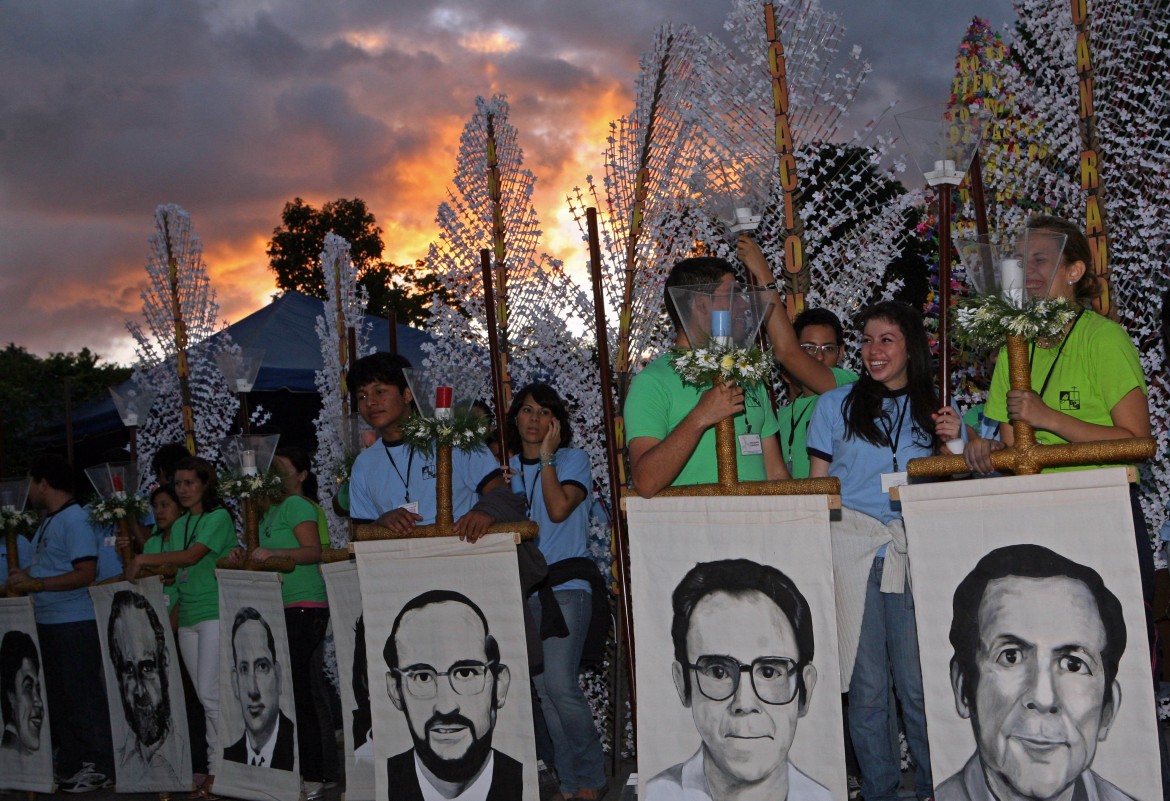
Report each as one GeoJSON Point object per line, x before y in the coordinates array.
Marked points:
{"type": "Point", "coordinates": [410, 507]}
{"type": "Point", "coordinates": [110, 541]}
{"type": "Point", "coordinates": [890, 480]}
{"type": "Point", "coordinates": [750, 445]}
{"type": "Point", "coordinates": [183, 576]}
{"type": "Point", "coordinates": [167, 600]}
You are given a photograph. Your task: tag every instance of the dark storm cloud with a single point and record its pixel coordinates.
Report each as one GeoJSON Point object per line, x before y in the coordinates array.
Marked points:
{"type": "Point", "coordinates": [231, 109]}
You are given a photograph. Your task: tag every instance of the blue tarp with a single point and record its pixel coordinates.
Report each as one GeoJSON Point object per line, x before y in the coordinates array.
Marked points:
{"type": "Point", "coordinates": [286, 330]}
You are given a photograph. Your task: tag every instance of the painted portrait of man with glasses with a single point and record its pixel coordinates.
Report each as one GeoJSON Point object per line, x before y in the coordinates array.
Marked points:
{"type": "Point", "coordinates": [445, 675]}
{"type": "Point", "coordinates": [743, 651]}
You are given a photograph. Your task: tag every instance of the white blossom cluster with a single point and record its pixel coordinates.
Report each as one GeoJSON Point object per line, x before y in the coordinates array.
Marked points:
{"type": "Point", "coordinates": [699, 367]}
{"type": "Point", "coordinates": [268, 484]}
{"type": "Point", "coordinates": [345, 307]}
{"type": "Point", "coordinates": [179, 283]}
{"type": "Point", "coordinates": [13, 519]}
{"type": "Point", "coordinates": [119, 506]}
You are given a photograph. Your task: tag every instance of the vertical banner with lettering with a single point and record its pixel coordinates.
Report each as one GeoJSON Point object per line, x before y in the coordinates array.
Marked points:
{"type": "Point", "coordinates": [26, 749]}
{"type": "Point", "coordinates": [148, 715]}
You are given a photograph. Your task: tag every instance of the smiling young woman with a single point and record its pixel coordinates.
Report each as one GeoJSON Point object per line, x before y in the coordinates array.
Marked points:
{"type": "Point", "coordinates": [864, 434]}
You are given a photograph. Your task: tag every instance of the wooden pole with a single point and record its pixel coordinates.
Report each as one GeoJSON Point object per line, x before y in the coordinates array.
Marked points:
{"type": "Point", "coordinates": [944, 293]}
{"type": "Point", "coordinates": [489, 306]}
{"type": "Point", "coordinates": [619, 544]}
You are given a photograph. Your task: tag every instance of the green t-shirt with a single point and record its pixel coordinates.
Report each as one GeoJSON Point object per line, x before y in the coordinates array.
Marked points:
{"type": "Point", "coordinates": [277, 526]}
{"type": "Point", "coordinates": [1096, 368]}
{"type": "Point", "coordinates": [155, 544]}
{"type": "Point", "coordinates": [658, 401]}
{"type": "Point", "coordinates": [794, 419]}
{"type": "Point", "coordinates": [198, 589]}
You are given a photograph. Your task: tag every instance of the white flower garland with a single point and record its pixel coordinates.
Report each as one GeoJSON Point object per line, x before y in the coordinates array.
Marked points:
{"type": "Point", "coordinates": [118, 507]}
{"type": "Point", "coordinates": [463, 431]}
{"type": "Point", "coordinates": [268, 484]}
{"type": "Point", "coordinates": [13, 519]}
{"type": "Point", "coordinates": [985, 322]}
{"type": "Point", "coordinates": [699, 367]}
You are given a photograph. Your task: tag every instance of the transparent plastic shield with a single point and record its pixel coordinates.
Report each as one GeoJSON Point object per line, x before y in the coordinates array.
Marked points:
{"type": "Point", "coordinates": [248, 456]}
{"type": "Point", "coordinates": [133, 402]}
{"type": "Point", "coordinates": [1018, 271]}
{"type": "Point", "coordinates": [14, 492]}
{"type": "Point", "coordinates": [1041, 253]}
{"type": "Point", "coordinates": [715, 315]}
{"type": "Point", "coordinates": [735, 191]}
{"type": "Point", "coordinates": [240, 369]}
{"type": "Point", "coordinates": [113, 477]}
{"type": "Point", "coordinates": [441, 393]}
{"type": "Point", "coordinates": [942, 141]}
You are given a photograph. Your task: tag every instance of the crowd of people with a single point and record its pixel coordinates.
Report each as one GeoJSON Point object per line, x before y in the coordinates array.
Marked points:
{"type": "Point", "coordinates": [861, 427]}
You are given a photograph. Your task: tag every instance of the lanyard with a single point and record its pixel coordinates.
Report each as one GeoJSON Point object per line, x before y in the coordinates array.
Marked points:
{"type": "Point", "coordinates": [895, 434]}
{"type": "Point", "coordinates": [409, 465]}
{"type": "Point", "coordinates": [529, 495]}
{"type": "Point", "coordinates": [189, 533]}
{"type": "Point", "coordinates": [796, 422]}
{"type": "Point", "coordinates": [1056, 358]}
{"type": "Point", "coordinates": [42, 534]}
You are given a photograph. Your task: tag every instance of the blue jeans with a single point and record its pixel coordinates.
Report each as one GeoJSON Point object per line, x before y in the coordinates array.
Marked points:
{"type": "Point", "coordinates": [889, 643]}
{"type": "Point", "coordinates": [578, 758]}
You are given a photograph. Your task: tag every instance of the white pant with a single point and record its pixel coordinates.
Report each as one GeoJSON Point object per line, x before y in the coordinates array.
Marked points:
{"type": "Point", "coordinates": [199, 645]}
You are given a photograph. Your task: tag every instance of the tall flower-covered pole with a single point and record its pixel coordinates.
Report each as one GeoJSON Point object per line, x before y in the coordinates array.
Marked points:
{"type": "Point", "coordinates": [786, 163]}
{"type": "Point", "coordinates": [183, 367]}
{"type": "Point", "coordinates": [499, 249]}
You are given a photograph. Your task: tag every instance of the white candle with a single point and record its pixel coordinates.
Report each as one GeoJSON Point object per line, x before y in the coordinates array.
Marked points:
{"type": "Point", "coordinates": [944, 166]}
{"type": "Point", "coordinates": [248, 463]}
{"type": "Point", "coordinates": [1011, 278]}
{"type": "Point", "coordinates": [243, 385]}
{"type": "Point", "coordinates": [131, 419]}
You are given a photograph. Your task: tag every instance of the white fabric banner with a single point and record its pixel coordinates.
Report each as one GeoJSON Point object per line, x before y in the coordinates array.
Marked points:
{"type": "Point", "coordinates": [1039, 575]}
{"type": "Point", "coordinates": [257, 717]}
{"type": "Point", "coordinates": [345, 610]}
{"type": "Point", "coordinates": [448, 667]}
{"type": "Point", "coordinates": [26, 747]}
{"type": "Point", "coordinates": [148, 715]}
{"type": "Point", "coordinates": [781, 715]}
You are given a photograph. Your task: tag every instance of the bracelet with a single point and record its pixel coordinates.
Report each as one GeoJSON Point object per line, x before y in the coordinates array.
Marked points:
{"type": "Point", "coordinates": [548, 459]}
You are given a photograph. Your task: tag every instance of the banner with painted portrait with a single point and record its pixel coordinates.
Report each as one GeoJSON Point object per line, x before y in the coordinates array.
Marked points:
{"type": "Point", "coordinates": [738, 677]}
{"type": "Point", "coordinates": [345, 610]}
{"type": "Point", "coordinates": [448, 668]}
{"type": "Point", "coordinates": [257, 753]}
{"type": "Point", "coordinates": [1032, 634]}
{"type": "Point", "coordinates": [26, 748]}
{"type": "Point", "coordinates": [148, 715]}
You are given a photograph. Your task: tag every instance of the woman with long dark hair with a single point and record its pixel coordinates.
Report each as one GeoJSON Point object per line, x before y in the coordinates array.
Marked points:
{"type": "Point", "coordinates": [204, 534]}
{"type": "Point", "coordinates": [864, 434]}
{"type": "Point", "coordinates": [555, 481]}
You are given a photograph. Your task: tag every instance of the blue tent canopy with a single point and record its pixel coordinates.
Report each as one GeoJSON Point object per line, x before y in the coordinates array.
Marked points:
{"type": "Point", "coordinates": [286, 330]}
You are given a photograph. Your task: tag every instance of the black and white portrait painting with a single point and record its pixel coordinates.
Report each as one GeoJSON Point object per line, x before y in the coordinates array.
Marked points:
{"type": "Point", "coordinates": [1031, 627]}
{"type": "Point", "coordinates": [738, 677]}
{"type": "Point", "coordinates": [448, 669]}
{"type": "Point", "coordinates": [148, 716]}
{"type": "Point", "coordinates": [257, 718]}
{"type": "Point", "coordinates": [26, 748]}
{"type": "Point", "coordinates": [345, 611]}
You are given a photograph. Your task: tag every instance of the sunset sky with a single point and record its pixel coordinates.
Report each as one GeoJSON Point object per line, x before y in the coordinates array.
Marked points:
{"type": "Point", "coordinates": [232, 108]}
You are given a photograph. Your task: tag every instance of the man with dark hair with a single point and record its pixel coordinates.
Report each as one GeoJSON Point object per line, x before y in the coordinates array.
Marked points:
{"type": "Point", "coordinates": [446, 677]}
{"type": "Point", "coordinates": [21, 705]}
{"type": "Point", "coordinates": [670, 426]}
{"type": "Point", "coordinates": [393, 485]}
{"type": "Point", "coordinates": [138, 654]}
{"type": "Point", "coordinates": [63, 563]}
{"type": "Point", "coordinates": [745, 632]}
{"type": "Point", "coordinates": [165, 459]}
{"type": "Point", "coordinates": [1037, 642]}
{"type": "Point", "coordinates": [256, 683]}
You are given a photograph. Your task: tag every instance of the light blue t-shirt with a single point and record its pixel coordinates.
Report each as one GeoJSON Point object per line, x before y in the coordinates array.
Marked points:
{"type": "Point", "coordinates": [387, 475]}
{"type": "Point", "coordinates": [860, 464]}
{"type": "Point", "coordinates": [568, 538]}
{"type": "Point", "coordinates": [61, 540]}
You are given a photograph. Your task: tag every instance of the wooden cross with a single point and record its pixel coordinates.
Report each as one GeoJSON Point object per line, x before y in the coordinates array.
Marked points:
{"type": "Point", "coordinates": [1027, 457]}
